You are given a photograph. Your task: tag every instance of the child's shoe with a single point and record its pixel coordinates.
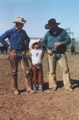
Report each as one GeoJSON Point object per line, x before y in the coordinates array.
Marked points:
{"type": "Point", "coordinates": [40, 87]}
{"type": "Point", "coordinates": [16, 92]}
{"type": "Point", "coordinates": [34, 88]}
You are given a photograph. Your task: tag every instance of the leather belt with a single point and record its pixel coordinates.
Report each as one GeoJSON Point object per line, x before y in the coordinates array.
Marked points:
{"type": "Point", "coordinates": [19, 50]}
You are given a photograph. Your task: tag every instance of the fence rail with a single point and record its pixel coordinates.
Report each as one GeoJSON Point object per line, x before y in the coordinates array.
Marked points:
{"type": "Point", "coordinates": [74, 42]}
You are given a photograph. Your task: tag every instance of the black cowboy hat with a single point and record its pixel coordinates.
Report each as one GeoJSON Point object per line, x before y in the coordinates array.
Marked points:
{"type": "Point", "coordinates": [51, 24]}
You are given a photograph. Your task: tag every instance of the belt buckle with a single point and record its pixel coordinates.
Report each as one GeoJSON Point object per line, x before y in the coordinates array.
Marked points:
{"type": "Point", "coordinates": [38, 65]}
{"type": "Point", "coordinates": [23, 53]}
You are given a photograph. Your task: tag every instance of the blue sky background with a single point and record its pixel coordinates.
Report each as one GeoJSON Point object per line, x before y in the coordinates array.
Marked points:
{"type": "Point", "coordinates": [38, 12]}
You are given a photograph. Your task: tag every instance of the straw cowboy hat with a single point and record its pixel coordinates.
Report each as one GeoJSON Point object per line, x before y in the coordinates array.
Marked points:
{"type": "Point", "coordinates": [20, 20]}
{"type": "Point", "coordinates": [32, 42]}
{"type": "Point", "coordinates": [51, 24]}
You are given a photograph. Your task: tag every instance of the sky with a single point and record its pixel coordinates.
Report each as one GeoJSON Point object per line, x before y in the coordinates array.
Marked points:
{"type": "Point", "coordinates": [37, 13]}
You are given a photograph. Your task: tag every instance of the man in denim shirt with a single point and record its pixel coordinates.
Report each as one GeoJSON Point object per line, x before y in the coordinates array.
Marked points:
{"type": "Point", "coordinates": [55, 42]}
{"type": "Point", "coordinates": [19, 45]}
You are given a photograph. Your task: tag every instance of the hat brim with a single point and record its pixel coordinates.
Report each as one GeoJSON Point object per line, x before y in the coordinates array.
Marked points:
{"type": "Point", "coordinates": [19, 22]}
{"type": "Point", "coordinates": [32, 42]}
{"type": "Point", "coordinates": [49, 27]}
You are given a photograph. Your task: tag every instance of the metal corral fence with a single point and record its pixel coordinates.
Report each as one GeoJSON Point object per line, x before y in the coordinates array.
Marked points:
{"type": "Point", "coordinates": [74, 42]}
{"type": "Point", "coordinates": [73, 47]}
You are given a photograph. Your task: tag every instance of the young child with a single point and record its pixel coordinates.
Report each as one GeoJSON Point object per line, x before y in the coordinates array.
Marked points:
{"type": "Point", "coordinates": [36, 59]}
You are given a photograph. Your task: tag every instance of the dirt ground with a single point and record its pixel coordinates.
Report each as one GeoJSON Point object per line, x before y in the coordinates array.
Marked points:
{"type": "Point", "coordinates": [47, 105]}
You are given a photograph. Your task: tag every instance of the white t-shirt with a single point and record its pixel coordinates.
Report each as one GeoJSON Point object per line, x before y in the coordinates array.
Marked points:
{"type": "Point", "coordinates": [36, 56]}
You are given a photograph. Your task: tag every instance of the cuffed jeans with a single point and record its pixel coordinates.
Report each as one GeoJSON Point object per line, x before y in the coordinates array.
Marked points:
{"type": "Point", "coordinates": [52, 73]}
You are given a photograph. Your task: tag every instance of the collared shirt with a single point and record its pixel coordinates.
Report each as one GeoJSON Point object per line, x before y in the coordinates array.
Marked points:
{"type": "Point", "coordinates": [50, 40]}
{"type": "Point", "coordinates": [18, 39]}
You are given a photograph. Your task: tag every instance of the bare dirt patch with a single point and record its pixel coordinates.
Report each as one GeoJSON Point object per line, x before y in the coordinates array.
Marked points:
{"type": "Point", "coordinates": [47, 105]}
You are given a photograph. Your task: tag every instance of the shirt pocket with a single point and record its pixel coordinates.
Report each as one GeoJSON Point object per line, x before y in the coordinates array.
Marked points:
{"type": "Point", "coordinates": [14, 36]}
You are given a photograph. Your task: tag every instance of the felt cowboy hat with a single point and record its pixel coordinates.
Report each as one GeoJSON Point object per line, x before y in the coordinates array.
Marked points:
{"type": "Point", "coordinates": [20, 20]}
{"type": "Point", "coordinates": [51, 23]}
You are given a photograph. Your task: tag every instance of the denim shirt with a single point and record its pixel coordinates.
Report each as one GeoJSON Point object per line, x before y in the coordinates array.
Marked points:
{"type": "Point", "coordinates": [18, 39]}
{"type": "Point", "coordinates": [49, 41]}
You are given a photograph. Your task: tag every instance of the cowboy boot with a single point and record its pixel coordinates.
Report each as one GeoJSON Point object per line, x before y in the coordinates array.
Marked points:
{"type": "Point", "coordinates": [28, 83]}
{"type": "Point", "coordinates": [14, 84]}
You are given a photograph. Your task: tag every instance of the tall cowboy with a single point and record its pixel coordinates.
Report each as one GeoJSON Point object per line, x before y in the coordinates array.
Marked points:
{"type": "Point", "coordinates": [19, 45]}
{"type": "Point", "coordinates": [55, 42]}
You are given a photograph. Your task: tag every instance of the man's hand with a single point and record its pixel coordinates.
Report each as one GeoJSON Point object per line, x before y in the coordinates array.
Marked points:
{"type": "Point", "coordinates": [50, 52]}
{"type": "Point", "coordinates": [57, 44]}
{"type": "Point", "coordinates": [9, 48]}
